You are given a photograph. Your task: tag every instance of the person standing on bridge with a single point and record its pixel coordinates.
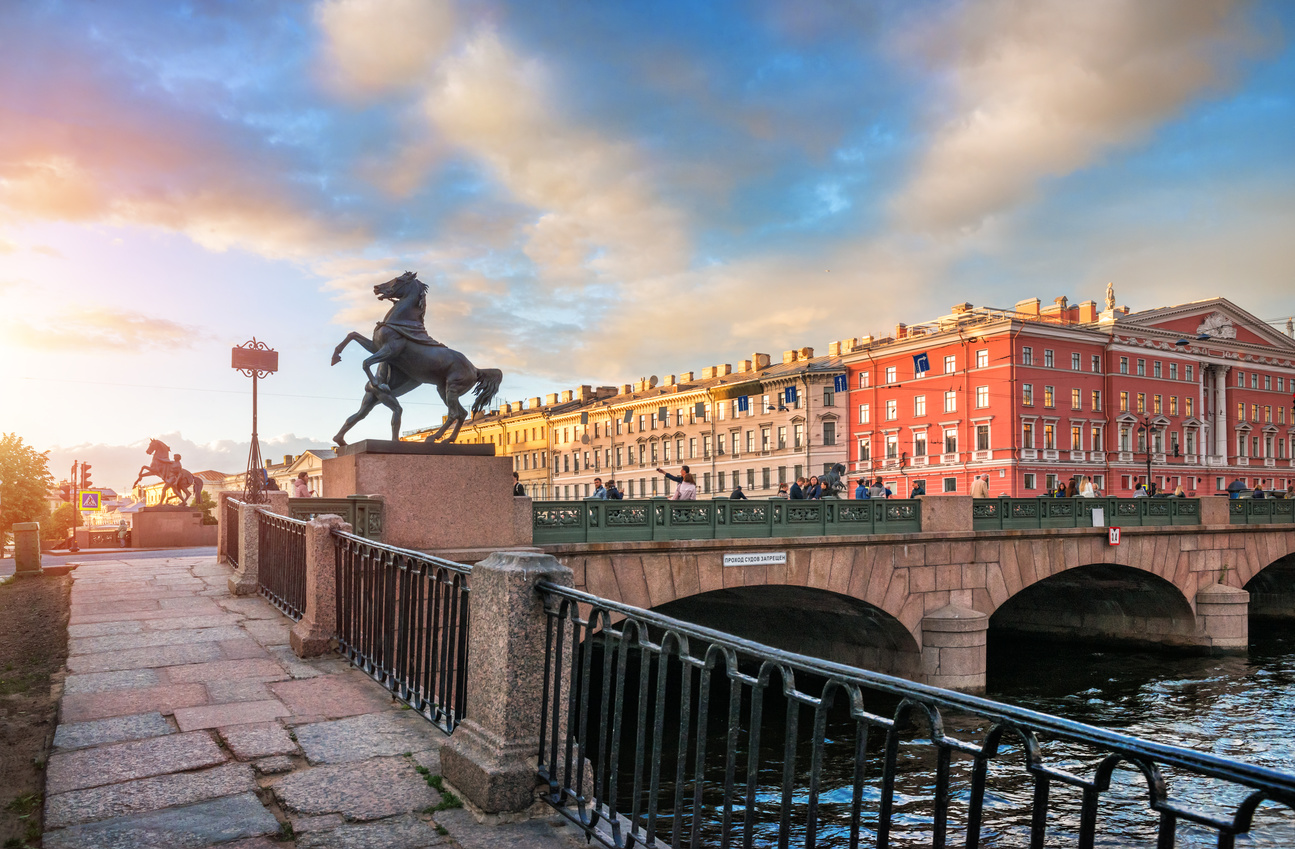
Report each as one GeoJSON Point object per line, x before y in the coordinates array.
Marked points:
{"type": "Point", "coordinates": [300, 488]}
{"type": "Point", "coordinates": [683, 472]}
{"type": "Point", "coordinates": [797, 491]}
{"type": "Point", "coordinates": [919, 489]}
{"type": "Point", "coordinates": [737, 494]}
{"type": "Point", "coordinates": [861, 491]}
{"type": "Point", "coordinates": [518, 489]}
{"type": "Point", "coordinates": [687, 489]}
{"type": "Point", "coordinates": [979, 487]}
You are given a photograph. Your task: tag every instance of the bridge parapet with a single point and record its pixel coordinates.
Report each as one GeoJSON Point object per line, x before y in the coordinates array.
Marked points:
{"type": "Point", "coordinates": [1261, 511]}
{"type": "Point", "coordinates": [996, 514]}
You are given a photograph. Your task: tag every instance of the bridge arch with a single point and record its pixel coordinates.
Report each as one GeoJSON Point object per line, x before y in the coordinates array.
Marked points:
{"type": "Point", "coordinates": [1272, 591]}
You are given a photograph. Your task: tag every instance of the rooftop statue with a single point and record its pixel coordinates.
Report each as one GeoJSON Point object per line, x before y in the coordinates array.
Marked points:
{"type": "Point", "coordinates": [178, 482]}
{"type": "Point", "coordinates": [404, 357]}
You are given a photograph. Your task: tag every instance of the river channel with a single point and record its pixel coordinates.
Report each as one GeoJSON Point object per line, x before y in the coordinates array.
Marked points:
{"type": "Point", "coordinates": [1235, 707]}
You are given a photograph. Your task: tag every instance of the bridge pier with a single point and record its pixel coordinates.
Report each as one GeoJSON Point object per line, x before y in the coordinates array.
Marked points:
{"type": "Point", "coordinates": [1223, 618]}
{"type": "Point", "coordinates": [953, 648]}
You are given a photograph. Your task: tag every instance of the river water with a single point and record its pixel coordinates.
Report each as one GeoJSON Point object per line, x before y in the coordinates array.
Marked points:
{"type": "Point", "coordinates": [1235, 707]}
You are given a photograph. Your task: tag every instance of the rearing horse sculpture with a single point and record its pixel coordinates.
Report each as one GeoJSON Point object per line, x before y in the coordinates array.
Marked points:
{"type": "Point", "coordinates": [404, 357]}
{"type": "Point", "coordinates": [178, 481]}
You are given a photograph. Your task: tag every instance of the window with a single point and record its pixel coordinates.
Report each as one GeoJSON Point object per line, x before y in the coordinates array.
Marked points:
{"type": "Point", "coordinates": [892, 410]}
{"type": "Point", "coordinates": [1187, 370]}
{"type": "Point", "coordinates": [1095, 438]}
{"type": "Point", "coordinates": [1047, 358]}
{"type": "Point", "coordinates": [721, 481]}
{"type": "Point", "coordinates": [865, 414]}
{"type": "Point", "coordinates": [829, 397]}
{"type": "Point", "coordinates": [764, 477]}
{"type": "Point", "coordinates": [1125, 442]}
{"type": "Point", "coordinates": [705, 445]}
{"type": "Point", "coordinates": [1049, 436]}
{"type": "Point", "coordinates": [1268, 381]}
{"type": "Point", "coordinates": [1241, 411]}
{"type": "Point", "coordinates": [1027, 435]}
{"type": "Point", "coordinates": [1051, 481]}
{"type": "Point", "coordinates": [890, 374]}
{"type": "Point", "coordinates": [982, 437]}
{"type": "Point", "coordinates": [1173, 371]}
{"type": "Point", "coordinates": [764, 403]}
{"type": "Point", "coordinates": [764, 439]}
{"type": "Point", "coordinates": [892, 446]}
{"type": "Point", "coordinates": [782, 474]}
{"type": "Point", "coordinates": [829, 433]}
{"type": "Point", "coordinates": [782, 437]}
{"type": "Point", "coordinates": [798, 435]}
{"type": "Point", "coordinates": [1142, 367]}
{"type": "Point", "coordinates": [1254, 380]}
{"type": "Point", "coordinates": [919, 406]}
{"type": "Point", "coordinates": [1173, 405]}
{"type": "Point", "coordinates": [865, 450]}
{"type": "Point", "coordinates": [1254, 412]}
{"type": "Point", "coordinates": [1049, 397]}
{"type": "Point", "coordinates": [950, 364]}
{"type": "Point", "coordinates": [1074, 362]}
{"type": "Point", "coordinates": [950, 441]}
{"type": "Point", "coordinates": [982, 358]}
{"type": "Point", "coordinates": [665, 450]}
{"type": "Point", "coordinates": [865, 380]}
{"type": "Point", "coordinates": [1027, 394]}
{"type": "Point", "coordinates": [1187, 407]}
{"type": "Point", "coordinates": [982, 397]}
{"type": "Point", "coordinates": [750, 443]}
{"type": "Point", "coordinates": [1097, 400]}
{"type": "Point", "coordinates": [1155, 368]}
{"type": "Point", "coordinates": [719, 446]}
{"type": "Point", "coordinates": [750, 478]}
{"type": "Point", "coordinates": [1027, 356]}
{"type": "Point", "coordinates": [705, 482]}
{"type": "Point", "coordinates": [919, 444]}
{"type": "Point", "coordinates": [950, 484]}
{"type": "Point", "coordinates": [1124, 402]}
{"type": "Point", "coordinates": [1097, 364]}
{"type": "Point", "coordinates": [1157, 404]}
{"type": "Point", "coordinates": [1029, 482]}
{"type": "Point", "coordinates": [1268, 415]}
{"type": "Point", "coordinates": [1142, 402]}
{"type": "Point", "coordinates": [1241, 380]}
{"type": "Point", "coordinates": [951, 401]}
{"type": "Point", "coordinates": [1076, 400]}
{"type": "Point", "coordinates": [1124, 365]}
{"type": "Point", "coordinates": [1076, 437]}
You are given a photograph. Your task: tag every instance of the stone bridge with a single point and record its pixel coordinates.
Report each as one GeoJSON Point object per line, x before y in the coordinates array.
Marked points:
{"type": "Point", "coordinates": [921, 605]}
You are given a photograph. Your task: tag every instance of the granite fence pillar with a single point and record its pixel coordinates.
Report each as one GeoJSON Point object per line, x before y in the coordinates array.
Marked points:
{"type": "Point", "coordinates": [221, 526]}
{"type": "Point", "coordinates": [314, 634]}
{"type": "Point", "coordinates": [1223, 618]}
{"type": "Point", "coordinates": [26, 548]}
{"type": "Point", "coordinates": [491, 755]}
{"type": "Point", "coordinates": [953, 648]}
{"type": "Point", "coordinates": [247, 578]}
{"type": "Point", "coordinates": [276, 501]}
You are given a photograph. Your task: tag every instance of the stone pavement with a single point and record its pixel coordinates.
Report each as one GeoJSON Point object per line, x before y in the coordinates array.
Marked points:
{"type": "Point", "coordinates": [187, 722]}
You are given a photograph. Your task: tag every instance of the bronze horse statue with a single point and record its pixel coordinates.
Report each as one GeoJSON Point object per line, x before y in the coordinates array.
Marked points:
{"type": "Point", "coordinates": [178, 482]}
{"type": "Point", "coordinates": [405, 358]}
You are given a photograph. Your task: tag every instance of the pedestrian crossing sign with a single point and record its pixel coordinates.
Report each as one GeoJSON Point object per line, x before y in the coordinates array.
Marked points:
{"type": "Point", "coordinates": [89, 500]}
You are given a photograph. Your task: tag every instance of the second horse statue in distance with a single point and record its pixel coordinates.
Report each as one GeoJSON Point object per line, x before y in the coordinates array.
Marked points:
{"type": "Point", "coordinates": [404, 357]}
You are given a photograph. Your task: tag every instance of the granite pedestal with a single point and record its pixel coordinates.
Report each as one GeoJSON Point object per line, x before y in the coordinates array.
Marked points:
{"type": "Point", "coordinates": [170, 526]}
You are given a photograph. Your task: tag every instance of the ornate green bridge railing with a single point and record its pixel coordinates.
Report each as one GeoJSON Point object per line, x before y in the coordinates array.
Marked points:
{"type": "Point", "coordinates": [364, 514]}
{"type": "Point", "coordinates": [660, 519]}
{"type": "Point", "coordinates": [1002, 514]}
{"type": "Point", "coordinates": [1261, 511]}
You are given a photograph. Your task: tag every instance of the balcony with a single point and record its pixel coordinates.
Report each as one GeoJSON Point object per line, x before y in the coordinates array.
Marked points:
{"type": "Point", "coordinates": [1029, 454]}
{"type": "Point", "coordinates": [1076, 456]}
{"type": "Point", "coordinates": [1125, 457]}
{"type": "Point", "coordinates": [1243, 461]}
{"type": "Point", "coordinates": [1270, 462]}
{"type": "Point", "coordinates": [1097, 456]}
{"type": "Point", "coordinates": [982, 456]}
{"type": "Point", "coordinates": [949, 459]}
{"type": "Point", "coordinates": [917, 461]}
{"type": "Point", "coordinates": [1051, 454]}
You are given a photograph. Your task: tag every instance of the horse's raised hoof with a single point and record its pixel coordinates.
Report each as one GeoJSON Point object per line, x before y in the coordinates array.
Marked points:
{"type": "Point", "coordinates": [339, 442]}
{"type": "Point", "coordinates": [337, 358]}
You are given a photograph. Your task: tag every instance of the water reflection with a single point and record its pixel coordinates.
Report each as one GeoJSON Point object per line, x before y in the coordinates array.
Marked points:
{"type": "Point", "coordinates": [1241, 708]}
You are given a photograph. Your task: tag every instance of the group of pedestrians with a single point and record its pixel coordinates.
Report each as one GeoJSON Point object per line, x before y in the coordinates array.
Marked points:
{"type": "Point", "coordinates": [1238, 489]}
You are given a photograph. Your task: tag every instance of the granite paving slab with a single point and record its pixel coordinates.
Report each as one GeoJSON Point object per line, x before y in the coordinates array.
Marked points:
{"type": "Point", "coordinates": [268, 632]}
{"type": "Point", "coordinates": [191, 603]}
{"type": "Point", "coordinates": [144, 658]}
{"type": "Point", "coordinates": [296, 667]}
{"type": "Point", "coordinates": [98, 682]}
{"type": "Point", "coordinates": [251, 843]}
{"type": "Point", "coordinates": [368, 790]}
{"type": "Point", "coordinates": [95, 607]}
{"type": "Point", "coordinates": [99, 629]}
{"type": "Point", "coordinates": [190, 827]}
{"type": "Point", "coordinates": [147, 794]}
{"type": "Point", "coordinates": [95, 767]}
{"type": "Point", "coordinates": [153, 639]}
{"type": "Point", "coordinates": [223, 692]}
{"type": "Point", "coordinates": [252, 608]}
{"type": "Point", "coordinates": [552, 832]}
{"type": "Point", "coordinates": [276, 765]}
{"type": "Point", "coordinates": [208, 620]}
{"type": "Point", "coordinates": [247, 742]}
{"type": "Point", "coordinates": [404, 832]}
{"type": "Point", "coordinates": [138, 615]}
{"type": "Point", "coordinates": [231, 713]}
{"type": "Point", "coordinates": [244, 649]}
{"type": "Point", "coordinates": [228, 670]}
{"type": "Point", "coordinates": [332, 696]}
{"type": "Point", "coordinates": [82, 707]}
{"type": "Point", "coordinates": [119, 729]}
{"type": "Point", "coordinates": [361, 737]}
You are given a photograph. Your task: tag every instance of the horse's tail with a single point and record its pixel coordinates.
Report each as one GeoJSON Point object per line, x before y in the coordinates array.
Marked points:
{"type": "Point", "coordinates": [197, 489]}
{"type": "Point", "coordinates": [488, 380]}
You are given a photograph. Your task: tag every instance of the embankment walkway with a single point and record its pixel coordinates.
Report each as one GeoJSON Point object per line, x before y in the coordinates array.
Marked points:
{"type": "Point", "coordinates": [186, 721]}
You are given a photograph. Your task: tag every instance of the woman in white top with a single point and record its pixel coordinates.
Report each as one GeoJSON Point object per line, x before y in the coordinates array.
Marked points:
{"type": "Point", "coordinates": [1086, 487]}
{"type": "Point", "coordinates": [687, 490]}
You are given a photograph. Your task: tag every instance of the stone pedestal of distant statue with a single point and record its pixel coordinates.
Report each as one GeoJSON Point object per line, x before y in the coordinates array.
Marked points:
{"type": "Point", "coordinates": [454, 500]}
{"type": "Point", "coordinates": [170, 526]}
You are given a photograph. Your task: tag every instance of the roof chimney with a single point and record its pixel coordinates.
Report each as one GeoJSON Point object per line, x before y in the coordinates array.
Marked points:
{"type": "Point", "coordinates": [566, 395]}
{"type": "Point", "coordinates": [806, 353]}
{"type": "Point", "coordinates": [550, 399]}
{"type": "Point", "coordinates": [743, 366]}
{"type": "Point", "coordinates": [901, 330]}
{"type": "Point", "coordinates": [533, 404]}
{"type": "Point", "coordinates": [788, 357]}
{"type": "Point", "coordinates": [626, 388]}
{"type": "Point", "coordinates": [1028, 307]}
{"type": "Point", "coordinates": [959, 309]}
{"type": "Point", "coordinates": [708, 373]}
{"type": "Point", "coordinates": [834, 349]}
{"type": "Point", "coordinates": [760, 361]}
{"type": "Point", "coordinates": [723, 370]}
{"type": "Point", "coordinates": [686, 377]}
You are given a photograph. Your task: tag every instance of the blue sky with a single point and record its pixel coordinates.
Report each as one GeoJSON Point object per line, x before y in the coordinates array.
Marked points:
{"type": "Point", "coordinates": [596, 192]}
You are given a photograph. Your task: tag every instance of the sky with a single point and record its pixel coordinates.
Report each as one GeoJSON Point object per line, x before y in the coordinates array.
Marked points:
{"type": "Point", "coordinates": [594, 192]}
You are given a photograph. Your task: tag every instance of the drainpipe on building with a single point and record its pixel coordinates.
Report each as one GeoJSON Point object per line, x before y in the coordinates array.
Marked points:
{"type": "Point", "coordinates": [714, 414]}
{"type": "Point", "coordinates": [809, 440]}
{"type": "Point", "coordinates": [1014, 461]}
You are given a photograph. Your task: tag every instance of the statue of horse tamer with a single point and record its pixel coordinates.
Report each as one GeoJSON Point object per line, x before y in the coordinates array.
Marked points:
{"type": "Point", "coordinates": [405, 357]}
{"type": "Point", "coordinates": [178, 482]}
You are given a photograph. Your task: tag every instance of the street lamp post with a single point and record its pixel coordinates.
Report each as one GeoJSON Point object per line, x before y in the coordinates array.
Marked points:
{"type": "Point", "coordinates": [1144, 430]}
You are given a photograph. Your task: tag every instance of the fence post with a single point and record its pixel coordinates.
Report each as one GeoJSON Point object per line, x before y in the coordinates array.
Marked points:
{"type": "Point", "coordinates": [490, 755]}
{"type": "Point", "coordinates": [247, 578]}
{"type": "Point", "coordinates": [276, 501]}
{"type": "Point", "coordinates": [26, 548]}
{"type": "Point", "coordinates": [313, 635]}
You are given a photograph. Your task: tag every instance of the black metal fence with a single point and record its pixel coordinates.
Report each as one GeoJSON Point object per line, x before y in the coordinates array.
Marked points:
{"type": "Point", "coordinates": [402, 617]}
{"type": "Point", "coordinates": [629, 756]}
{"type": "Point", "coordinates": [281, 570]}
{"type": "Point", "coordinates": [229, 526]}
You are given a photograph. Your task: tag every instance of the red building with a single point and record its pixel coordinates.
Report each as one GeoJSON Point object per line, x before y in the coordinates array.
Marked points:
{"type": "Point", "coordinates": [1203, 393]}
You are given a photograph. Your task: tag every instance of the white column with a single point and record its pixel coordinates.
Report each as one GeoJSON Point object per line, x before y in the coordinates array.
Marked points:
{"type": "Point", "coordinates": [1221, 413]}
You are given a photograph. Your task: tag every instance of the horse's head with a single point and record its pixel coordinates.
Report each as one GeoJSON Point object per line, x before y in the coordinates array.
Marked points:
{"type": "Point", "coordinates": [156, 445]}
{"type": "Point", "coordinates": [398, 287]}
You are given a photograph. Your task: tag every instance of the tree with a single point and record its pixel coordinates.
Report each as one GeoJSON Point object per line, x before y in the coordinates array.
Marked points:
{"type": "Point", "coordinates": [64, 518]}
{"type": "Point", "coordinates": [207, 503]}
{"type": "Point", "coordinates": [25, 483]}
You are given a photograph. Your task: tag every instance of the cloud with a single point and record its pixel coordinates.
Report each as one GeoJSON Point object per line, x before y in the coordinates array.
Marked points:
{"type": "Point", "coordinates": [99, 328]}
{"type": "Point", "coordinates": [47, 250]}
{"type": "Point", "coordinates": [1043, 89]}
{"type": "Point", "coordinates": [8, 247]}
{"type": "Point", "coordinates": [372, 46]}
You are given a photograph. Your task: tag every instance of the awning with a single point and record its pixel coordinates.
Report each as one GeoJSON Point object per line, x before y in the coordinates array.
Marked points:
{"type": "Point", "coordinates": [737, 390]}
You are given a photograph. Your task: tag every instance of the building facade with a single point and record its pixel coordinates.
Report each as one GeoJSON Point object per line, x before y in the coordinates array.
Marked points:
{"type": "Point", "coordinates": [1197, 395]}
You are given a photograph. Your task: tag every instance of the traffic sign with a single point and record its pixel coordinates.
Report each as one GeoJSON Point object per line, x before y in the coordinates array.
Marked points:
{"type": "Point", "coordinates": [88, 500]}
{"type": "Point", "coordinates": [1113, 536]}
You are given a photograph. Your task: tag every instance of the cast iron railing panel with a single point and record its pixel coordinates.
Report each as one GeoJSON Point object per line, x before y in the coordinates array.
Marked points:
{"type": "Point", "coordinates": [627, 755]}
{"type": "Point", "coordinates": [595, 520]}
{"type": "Point", "coordinates": [1261, 511]}
{"type": "Point", "coordinates": [402, 617]}
{"type": "Point", "coordinates": [230, 527]}
{"type": "Point", "coordinates": [362, 513]}
{"type": "Point", "coordinates": [281, 573]}
{"type": "Point", "coordinates": [1003, 514]}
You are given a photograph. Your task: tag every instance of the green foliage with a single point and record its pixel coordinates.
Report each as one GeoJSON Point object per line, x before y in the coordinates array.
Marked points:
{"type": "Point", "coordinates": [65, 517]}
{"type": "Point", "coordinates": [208, 504]}
{"type": "Point", "coordinates": [25, 482]}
